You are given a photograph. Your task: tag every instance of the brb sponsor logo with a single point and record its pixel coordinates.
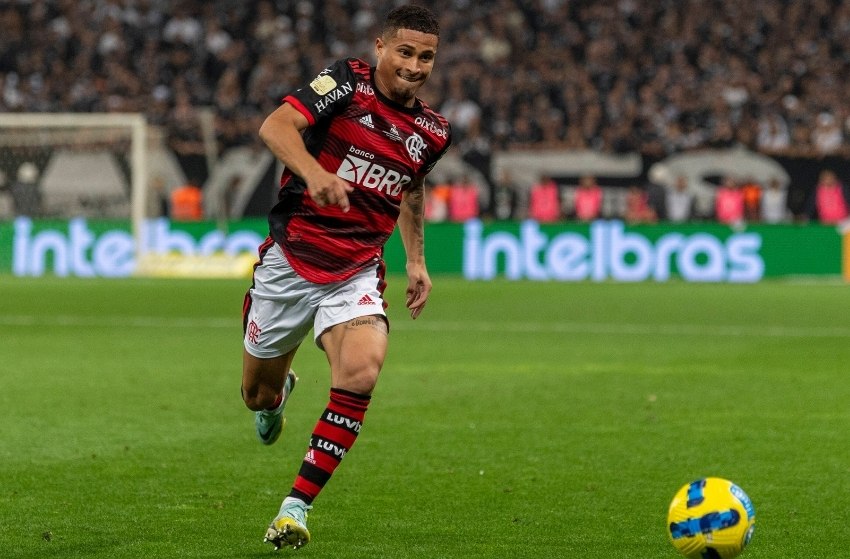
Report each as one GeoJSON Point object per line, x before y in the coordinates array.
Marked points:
{"type": "Point", "coordinates": [79, 251]}
{"type": "Point", "coordinates": [610, 252]}
{"type": "Point", "coordinates": [359, 168]}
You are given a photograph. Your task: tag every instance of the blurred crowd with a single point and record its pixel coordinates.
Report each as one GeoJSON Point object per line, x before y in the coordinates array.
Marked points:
{"type": "Point", "coordinates": [736, 201]}
{"type": "Point", "coordinates": [649, 76]}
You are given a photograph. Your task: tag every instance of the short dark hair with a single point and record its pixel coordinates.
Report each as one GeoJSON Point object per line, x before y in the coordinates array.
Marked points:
{"type": "Point", "coordinates": [412, 17]}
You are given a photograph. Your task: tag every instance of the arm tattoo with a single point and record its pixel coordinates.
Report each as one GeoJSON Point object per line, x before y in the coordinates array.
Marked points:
{"type": "Point", "coordinates": [415, 200]}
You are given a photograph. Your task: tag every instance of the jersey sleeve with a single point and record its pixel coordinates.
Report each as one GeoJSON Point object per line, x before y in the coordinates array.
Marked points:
{"type": "Point", "coordinates": [329, 93]}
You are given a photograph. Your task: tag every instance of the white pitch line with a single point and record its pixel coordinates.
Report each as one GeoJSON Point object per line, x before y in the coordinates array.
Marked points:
{"type": "Point", "coordinates": [594, 328]}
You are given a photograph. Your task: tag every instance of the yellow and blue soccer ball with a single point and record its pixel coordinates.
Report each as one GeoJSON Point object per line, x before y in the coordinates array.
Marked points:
{"type": "Point", "coordinates": [711, 518]}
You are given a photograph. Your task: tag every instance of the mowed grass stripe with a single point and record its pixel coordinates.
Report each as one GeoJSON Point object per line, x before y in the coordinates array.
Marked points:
{"type": "Point", "coordinates": [602, 328]}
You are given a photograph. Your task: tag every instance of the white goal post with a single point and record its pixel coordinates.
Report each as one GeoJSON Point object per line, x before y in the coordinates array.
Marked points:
{"type": "Point", "coordinates": [22, 133]}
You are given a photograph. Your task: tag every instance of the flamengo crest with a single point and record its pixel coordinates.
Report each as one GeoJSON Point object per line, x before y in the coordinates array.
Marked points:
{"type": "Point", "coordinates": [415, 146]}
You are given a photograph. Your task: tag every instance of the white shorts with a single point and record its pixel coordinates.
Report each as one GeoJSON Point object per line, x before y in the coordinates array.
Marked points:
{"type": "Point", "coordinates": [281, 306]}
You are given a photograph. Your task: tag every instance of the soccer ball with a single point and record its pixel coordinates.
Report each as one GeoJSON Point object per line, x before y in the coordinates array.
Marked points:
{"type": "Point", "coordinates": [711, 518]}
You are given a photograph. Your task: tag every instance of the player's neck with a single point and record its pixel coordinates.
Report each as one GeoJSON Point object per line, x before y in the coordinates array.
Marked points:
{"type": "Point", "coordinates": [385, 93]}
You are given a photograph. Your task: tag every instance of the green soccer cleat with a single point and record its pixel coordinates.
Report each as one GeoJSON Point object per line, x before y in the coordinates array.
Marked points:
{"type": "Point", "coordinates": [290, 526]}
{"type": "Point", "coordinates": [269, 423]}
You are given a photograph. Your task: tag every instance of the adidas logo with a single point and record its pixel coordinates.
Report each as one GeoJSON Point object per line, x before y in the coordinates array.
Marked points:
{"type": "Point", "coordinates": [365, 300]}
{"type": "Point", "coordinates": [310, 457]}
{"type": "Point", "coordinates": [366, 120]}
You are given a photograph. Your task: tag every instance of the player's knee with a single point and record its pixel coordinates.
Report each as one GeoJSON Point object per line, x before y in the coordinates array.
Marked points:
{"type": "Point", "coordinates": [257, 398]}
{"type": "Point", "coordinates": [360, 381]}
{"type": "Point", "coordinates": [364, 385]}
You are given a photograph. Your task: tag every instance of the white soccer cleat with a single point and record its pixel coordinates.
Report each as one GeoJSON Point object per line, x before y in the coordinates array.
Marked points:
{"type": "Point", "coordinates": [290, 526]}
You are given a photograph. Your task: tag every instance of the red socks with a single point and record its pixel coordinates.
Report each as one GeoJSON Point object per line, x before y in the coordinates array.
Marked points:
{"type": "Point", "coordinates": [333, 437]}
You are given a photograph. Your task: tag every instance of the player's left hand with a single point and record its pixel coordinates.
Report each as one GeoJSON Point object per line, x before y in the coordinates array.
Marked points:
{"type": "Point", "coordinates": [418, 288]}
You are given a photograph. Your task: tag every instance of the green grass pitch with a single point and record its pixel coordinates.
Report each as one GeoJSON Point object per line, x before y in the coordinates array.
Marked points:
{"type": "Point", "coordinates": [512, 420]}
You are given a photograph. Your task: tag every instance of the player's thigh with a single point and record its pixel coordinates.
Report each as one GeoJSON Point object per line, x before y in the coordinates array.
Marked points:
{"type": "Point", "coordinates": [356, 350]}
{"type": "Point", "coordinates": [351, 326]}
{"type": "Point", "coordinates": [278, 315]}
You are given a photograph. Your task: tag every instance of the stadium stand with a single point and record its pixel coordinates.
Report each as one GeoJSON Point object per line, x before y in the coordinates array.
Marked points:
{"type": "Point", "coordinates": [647, 77]}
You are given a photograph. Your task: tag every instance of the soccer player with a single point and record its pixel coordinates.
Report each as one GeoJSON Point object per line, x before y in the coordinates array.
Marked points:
{"type": "Point", "coordinates": [356, 143]}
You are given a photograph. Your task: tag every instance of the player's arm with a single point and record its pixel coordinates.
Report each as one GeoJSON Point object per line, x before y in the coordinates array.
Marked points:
{"type": "Point", "coordinates": [281, 131]}
{"type": "Point", "coordinates": [411, 226]}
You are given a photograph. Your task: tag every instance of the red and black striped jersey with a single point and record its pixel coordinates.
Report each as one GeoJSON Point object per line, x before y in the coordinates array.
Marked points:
{"type": "Point", "coordinates": [378, 146]}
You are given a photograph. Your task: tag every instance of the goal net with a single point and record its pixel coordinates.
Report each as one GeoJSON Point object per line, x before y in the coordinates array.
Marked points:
{"type": "Point", "coordinates": [70, 165]}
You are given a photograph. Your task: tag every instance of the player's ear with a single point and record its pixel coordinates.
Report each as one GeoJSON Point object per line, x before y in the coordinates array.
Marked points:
{"type": "Point", "coordinates": [379, 46]}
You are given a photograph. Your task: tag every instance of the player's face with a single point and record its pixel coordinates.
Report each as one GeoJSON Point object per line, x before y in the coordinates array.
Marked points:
{"type": "Point", "coordinates": [404, 63]}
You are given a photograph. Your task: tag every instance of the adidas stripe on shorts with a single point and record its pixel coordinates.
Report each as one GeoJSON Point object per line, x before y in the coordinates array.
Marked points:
{"type": "Point", "coordinates": [284, 306]}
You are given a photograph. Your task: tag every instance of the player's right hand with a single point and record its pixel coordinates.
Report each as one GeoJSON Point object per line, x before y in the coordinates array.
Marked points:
{"type": "Point", "coordinates": [327, 189]}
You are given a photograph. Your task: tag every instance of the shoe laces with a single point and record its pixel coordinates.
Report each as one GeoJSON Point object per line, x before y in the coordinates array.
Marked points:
{"type": "Point", "coordinates": [296, 511]}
